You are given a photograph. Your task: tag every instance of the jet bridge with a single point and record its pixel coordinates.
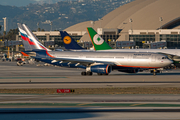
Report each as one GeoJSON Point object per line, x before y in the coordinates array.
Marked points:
{"type": "Point", "coordinates": [155, 45]}
{"type": "Point", "coordinates": [122, 44]}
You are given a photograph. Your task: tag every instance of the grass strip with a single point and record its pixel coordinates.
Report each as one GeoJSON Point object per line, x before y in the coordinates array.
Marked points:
{"type": "Point", "coordinates": [128, 90]}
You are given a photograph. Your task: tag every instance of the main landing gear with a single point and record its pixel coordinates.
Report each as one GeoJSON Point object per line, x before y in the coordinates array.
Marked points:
{"type": "Point", "coordinates": [90, 73]}
{"type": "Point", "coordinates": [101, 74]}
{"type": "Point", "coordinates": [155, 72]}
{"type": "Point", "coordinates": [86, 73]}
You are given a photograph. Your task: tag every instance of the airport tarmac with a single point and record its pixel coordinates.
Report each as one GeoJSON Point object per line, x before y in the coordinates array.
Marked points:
{"type": "Point", "coordinates": [32, 76]}
{"type": "Point", "coordinates": [90, 107]}
{"type": "Point", "coordinates": [89, 99]}
{"type": "Point", "coordinates": [138, 106]}
{"type": "Point", "coordinates": [87, 114]}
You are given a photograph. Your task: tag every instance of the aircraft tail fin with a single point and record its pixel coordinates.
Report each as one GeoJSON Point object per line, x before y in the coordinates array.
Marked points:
{"type": "Point", "coordinates": [29, 39]}
{"type": "Point", "coordinates": [97, 41]}
{"type": "Point", "coordinates": [24, 38]}
{"type": "Point", "coordinates": [69, 42]}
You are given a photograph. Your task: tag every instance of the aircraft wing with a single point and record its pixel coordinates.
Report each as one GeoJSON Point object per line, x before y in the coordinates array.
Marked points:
{"type": "Point", "coordinates": [81, 61]}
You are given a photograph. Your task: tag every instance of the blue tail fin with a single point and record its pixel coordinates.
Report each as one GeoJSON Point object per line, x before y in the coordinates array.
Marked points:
{"type": "Point", "coordinates": [69, 42]}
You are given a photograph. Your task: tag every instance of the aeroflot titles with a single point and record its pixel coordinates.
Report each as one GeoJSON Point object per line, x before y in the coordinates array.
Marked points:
{"type": "Point", "coordinates": [143, 54]}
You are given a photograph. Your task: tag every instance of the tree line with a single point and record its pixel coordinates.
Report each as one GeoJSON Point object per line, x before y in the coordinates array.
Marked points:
{"type": "Point", "coordinates": [10, 35]}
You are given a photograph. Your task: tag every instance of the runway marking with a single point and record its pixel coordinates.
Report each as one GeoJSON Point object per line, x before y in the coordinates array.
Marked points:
{"type": "Point", "coordinates": [138, 104]}
{"type": "Point", "coordinates": [83, 104]}
{"type": "Point", "coordinates": [28, 77]}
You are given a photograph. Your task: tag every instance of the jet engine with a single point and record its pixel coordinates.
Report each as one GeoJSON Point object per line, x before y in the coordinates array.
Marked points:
{"type": "Point", "coordinates": [129, 70]}
{"type": "Point", "coordinates": [101, 69]}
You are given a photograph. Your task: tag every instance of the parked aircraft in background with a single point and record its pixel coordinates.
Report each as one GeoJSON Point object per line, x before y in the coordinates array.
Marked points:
{"type": "Point", "coordinates": [69, 42]}
{"type": "Point", "coordinates": [100, 45]}
{"type": "Point", "coordinates": [92, 61]}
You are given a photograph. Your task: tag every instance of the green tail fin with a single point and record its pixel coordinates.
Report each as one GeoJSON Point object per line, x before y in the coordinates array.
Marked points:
{"type": "Point", "coordinates": [97, 41]}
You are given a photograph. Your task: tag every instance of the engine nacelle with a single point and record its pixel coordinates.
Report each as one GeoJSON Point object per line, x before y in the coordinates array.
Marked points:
{"type": "Point", "coordinates": [103, 69]}
{"type": "Point", "coordinates": [129, 70]}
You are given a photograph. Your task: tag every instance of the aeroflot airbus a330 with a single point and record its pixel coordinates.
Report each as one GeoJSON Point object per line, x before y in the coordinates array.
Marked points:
{"type": "Point", "coordinates": [93, 61]}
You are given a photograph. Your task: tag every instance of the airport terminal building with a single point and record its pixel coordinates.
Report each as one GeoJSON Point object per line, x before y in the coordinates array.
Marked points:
{"type": "Point", "coordinates": [141, 21]}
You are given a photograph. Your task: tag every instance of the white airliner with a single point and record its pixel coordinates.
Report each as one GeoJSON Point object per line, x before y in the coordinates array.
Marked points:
{"type": "Point", "coordinates": [101, 45]}
{"type": "Point", "coordinates": [94, 61]}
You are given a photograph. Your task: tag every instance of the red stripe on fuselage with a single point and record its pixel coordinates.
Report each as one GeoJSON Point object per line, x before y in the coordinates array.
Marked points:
{"type": "Point", "coordinates": [42, 47]}
{"type": "Point", "coordinates": [136, 66]}
{"type": "Point", "coordinates": [49, 54]}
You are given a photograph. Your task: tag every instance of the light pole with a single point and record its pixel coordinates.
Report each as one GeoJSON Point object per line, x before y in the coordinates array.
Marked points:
{"type": "Point", "coordinates": [38, 26]}
{"type": "Point", "coordinates": [51, 25]}
{"type": "Point", "coordinates": [100, 22]}
{"type": "Point", "coordinates": [130, 20]}
{"type": "Point", "coordinates": [92, 23]}
{"type": "Point", "coordinates": [160, 19]}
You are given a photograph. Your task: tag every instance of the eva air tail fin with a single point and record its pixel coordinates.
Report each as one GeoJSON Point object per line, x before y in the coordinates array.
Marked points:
{"type": "Point", "coordinates": [30, 41]}
{"type": "Point", "coordinates": [69, 42]}
{"type": "Point", "coordinates": [97, 41]}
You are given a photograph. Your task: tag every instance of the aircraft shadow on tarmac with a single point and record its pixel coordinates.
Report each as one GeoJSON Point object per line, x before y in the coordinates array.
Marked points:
{"type": "Point", "coordinates": [65, 113]}
{"type": "Point", "coordinates": [41, 113]}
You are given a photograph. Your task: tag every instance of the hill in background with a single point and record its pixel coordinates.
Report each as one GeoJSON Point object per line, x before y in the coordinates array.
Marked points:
{"type": "Point", "coordinates": [62, 14]}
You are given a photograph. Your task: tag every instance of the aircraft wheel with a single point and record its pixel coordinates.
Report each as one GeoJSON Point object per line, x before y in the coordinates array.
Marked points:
{"type": "Point", "coordinates": [89, 73]}
{"type": "Point", "coordinates": [99, 74]}
{"type": "Point", "coordinates": [83, 73]}
{"type": "Point", "coordinates": [154, 73]}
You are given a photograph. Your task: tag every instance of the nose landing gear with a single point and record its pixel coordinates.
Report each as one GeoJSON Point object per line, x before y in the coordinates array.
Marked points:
{"type": "Point", "coordinates": [154, 73]}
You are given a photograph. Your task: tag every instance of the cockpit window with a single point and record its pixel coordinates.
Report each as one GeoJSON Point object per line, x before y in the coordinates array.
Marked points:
{"type": "Point", "coordinates": [164, 57]}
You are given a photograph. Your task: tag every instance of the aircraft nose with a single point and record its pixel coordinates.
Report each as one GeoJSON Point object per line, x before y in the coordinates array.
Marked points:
{"type": "Point", "coordinates": [168, 62]}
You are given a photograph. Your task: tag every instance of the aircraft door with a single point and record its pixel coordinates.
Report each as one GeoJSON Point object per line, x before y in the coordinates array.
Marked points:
{"type": "Point", "coordinates": [130, 57]}
{"type": "Point", "coordinates": [153, 58]}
